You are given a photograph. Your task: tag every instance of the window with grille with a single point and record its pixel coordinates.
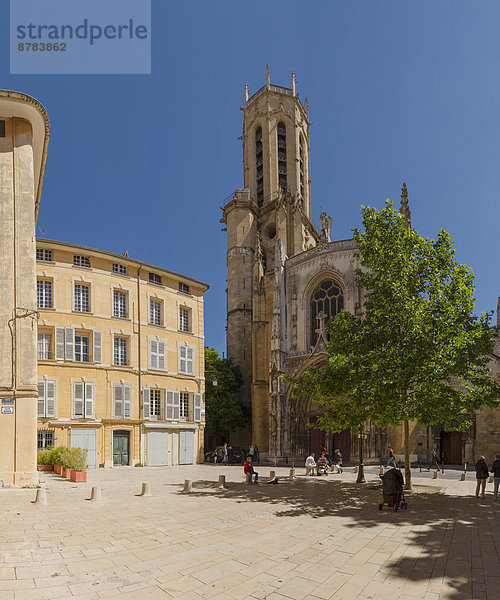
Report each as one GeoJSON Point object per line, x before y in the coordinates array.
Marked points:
{"type": "Point", "coordinates": [45, 438]}
{"type": "Point", "coordinates": [282, 169]}
{"type": "Point", "coordinates": [155, 406]}
{"type": "Point", "coordinates": [326, 302]}
{"type": "Point", "coordinates": [44, 345]}
{"type": "Point", "coordinates": [184, 319]}
{"type": "Point", "coordinates": [184, 405]}
{"type": "Point", "coordinates": [44, 254]}
{"type": "Point", "coordinates": [81, 261]}
{"type": "Point", "coordinates": [44, 293]}
{"type": "Point", "coordinates": [155, 312]}
{"type": "Point", "coordinates": [120, 351]}
{"type": "Point", "coordinates": [119, 268]}
{"type": "Point", "coordinates": [259, 163]}
{"type": "Point", "coordinates": [183, 288]}
{"type": "Point", "coordinates": [119, 304]}
{"type": "Point", "coordinates": [82, 297]}
{"type": "Point", "coordinates": [155, 278]}
{"type": "Point", "coordinates": [81, 348]}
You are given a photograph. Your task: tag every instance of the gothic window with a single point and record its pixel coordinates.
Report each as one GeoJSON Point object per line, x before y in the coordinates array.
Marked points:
{"type": "Point", "coordinates": [301, 166]}
{"type": "Point", "coordinates": [259, 163]}
{"type": "Point", "coordinates": [282, 155]}
{"type": "Point", "coordinates": [327, 298]}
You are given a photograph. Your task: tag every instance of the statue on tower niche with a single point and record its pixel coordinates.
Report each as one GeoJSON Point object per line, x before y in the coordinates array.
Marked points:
{"type": "Point", "coordinates": [326, 226]}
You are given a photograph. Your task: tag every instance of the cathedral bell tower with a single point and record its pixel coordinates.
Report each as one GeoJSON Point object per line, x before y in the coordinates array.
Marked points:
{"type": "Point", "coordinates": [273, 208]}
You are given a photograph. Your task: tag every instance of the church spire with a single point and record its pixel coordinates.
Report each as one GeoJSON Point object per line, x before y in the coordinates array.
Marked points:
{"type": "Point", "coordinates": [247, 93]}
{"type": "Point", "coordinates": [293, 84]}
{"type": "Point", "coordinates": [405, 209]}
{"type": "Point", "coordinates": [268, 77]}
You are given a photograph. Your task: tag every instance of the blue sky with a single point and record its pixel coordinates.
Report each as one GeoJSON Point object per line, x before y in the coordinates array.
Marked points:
{"type": "Point", "coordinates": [397, 91]}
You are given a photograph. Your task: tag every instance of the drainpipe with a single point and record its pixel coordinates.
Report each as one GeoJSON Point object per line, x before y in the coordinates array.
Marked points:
{"type": "Point", "coordinates": [141, 457]}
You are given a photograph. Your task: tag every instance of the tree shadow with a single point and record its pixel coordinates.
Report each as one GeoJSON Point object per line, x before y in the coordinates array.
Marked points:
{"type": "Point", "coordinates": [447, 541]}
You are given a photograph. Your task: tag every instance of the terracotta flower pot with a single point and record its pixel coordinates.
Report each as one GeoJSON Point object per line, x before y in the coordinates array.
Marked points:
{"type": "Point", "coordinates": [45, 467]}
{"type": "Point", "coordinates": [67, 473]}
{"type": "Point", "coordinates": [57, 469]}
{"type": "Point", "coordinates": [78, 476]}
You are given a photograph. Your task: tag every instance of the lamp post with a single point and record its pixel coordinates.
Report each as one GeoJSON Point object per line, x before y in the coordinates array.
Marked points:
{"type": "Point", "coordinates": [361, 470]}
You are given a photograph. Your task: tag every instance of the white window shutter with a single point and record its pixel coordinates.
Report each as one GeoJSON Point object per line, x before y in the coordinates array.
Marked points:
{"type": "Point", "coordinates": [161, 355]}
{"type": "Point", "coordinates": [41, 398]}
{"type": "Point", "coordinates": [78, 395]}
{"type": "Point", "coordinates": [69, 343]}
{"type": "Point", "coordinates": [169, 405]}
{"type": "Point", "coordinates": [118, 400]}
{"type": "Point", "coordinates": [50, 410]}
{"type": "Point", "coordinates": [97, 347]}
{"type": "Point", "coordinates": [177, 406]}
{"type": "Point", "coordinates": [89, 400]}
{"type": "Point", "coordinates": [182, 359]}
{"type": "Point", "coordinates": [189, 360]}
{"type": "Point", "coordinates": [126, 401]}
{"type": "Point", "coordinates": [153, 354]}
{"type": "Point", "coordinates": [146, 404]}
{"type": "Point", "coordinates": [197, 407]}
{"type": "Point", "coordinates": [60, 343]}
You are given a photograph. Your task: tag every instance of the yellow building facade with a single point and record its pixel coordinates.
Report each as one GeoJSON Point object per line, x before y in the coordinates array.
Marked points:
{"type": "Point", "coordinates": [120, 358]}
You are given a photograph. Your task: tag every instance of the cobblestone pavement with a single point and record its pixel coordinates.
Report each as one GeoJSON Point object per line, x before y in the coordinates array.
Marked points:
{"type": "Point", "coordinates": [318, 538]}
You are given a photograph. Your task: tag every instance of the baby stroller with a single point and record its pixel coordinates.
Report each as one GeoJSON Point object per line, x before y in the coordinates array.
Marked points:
{"type": "Point", "coordinates": [392, 490]}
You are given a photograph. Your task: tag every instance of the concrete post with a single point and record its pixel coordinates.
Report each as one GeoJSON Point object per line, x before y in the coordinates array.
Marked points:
{"type": "Point", "coordinates": [435, 476]}
{"type": "Point", "coordinates": [462, 477]}
{"type": "Point", "coordinates": [222, 482]}
{"type": "Point", "coordinates": [41, 496]}
{"type": "Point", "coordinates": [96, 494]}
{"type": "Point", "coordinates": [355, 470]}
{"type": "Point", "coordinates": [272, 475]}
{"type": "Point", "coordinates": [381, 472]}
{"type": "Point", "coordinates": [146, 490]}
{"type": "Point", "coordinates": [188, 486]}
{"type": "Point", "coordinates": [292, 474]}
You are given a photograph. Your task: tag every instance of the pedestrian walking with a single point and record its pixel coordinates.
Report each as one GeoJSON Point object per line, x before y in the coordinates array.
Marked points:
{"type": "Point", "coordinates": [392, 459]}
{"type": "Point", "coordinates": [495, 470]}
{"type": "Point", "coordinates": [337, 458]}
{"type": "Point", "coordinates": [434, 461]}
{"type": "Point", "coordinates": [256, 454]}
{"type": "Point", "coordinates": [249, 470]}
{"type": "Point", "coordinates": [225, 455]}
{"type": "Point", "coordinates": [481, 476]}
{"type": "Point", "coordinates": [251, 451]}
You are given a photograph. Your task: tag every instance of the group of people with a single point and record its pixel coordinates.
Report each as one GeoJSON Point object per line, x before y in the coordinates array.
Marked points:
{"type": "Point", "coordinates": [324, 462]}
{"type": "Point", "coordinates": [482, 474]}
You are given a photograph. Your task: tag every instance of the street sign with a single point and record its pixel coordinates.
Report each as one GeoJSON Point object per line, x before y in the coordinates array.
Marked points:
{"type": "Point", "coordinates": [7, 410]}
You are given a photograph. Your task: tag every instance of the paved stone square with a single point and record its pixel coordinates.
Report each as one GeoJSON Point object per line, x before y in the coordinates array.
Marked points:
{"type": "Point", "coordinates": [316, 538]}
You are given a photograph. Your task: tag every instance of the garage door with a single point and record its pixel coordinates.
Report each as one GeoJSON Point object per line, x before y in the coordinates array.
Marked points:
{"type": "Point", "coordinates": [157, 448]}
{"type": "Point", "coordinates": [85, 438]}
{"type": "Point", "coordinates": [186, 443]}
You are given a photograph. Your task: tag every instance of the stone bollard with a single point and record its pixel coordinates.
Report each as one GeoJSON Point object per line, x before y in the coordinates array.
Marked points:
{"type": "Point", "coordinates": [355, 470]}
{"type": "Point", "coordinates": [490, 480]}
{"type": "Point", "coordinates": [188, 486]}
{"type": "Point", "coordinates": [462, 477]}
{"type": "Point", "coordinates": [41, 496]}
{"type": "Point", "coordinates": [96, 494]}
{"type": "Point", "coordinates": [272, 475]}
{"type": "Point", "coordinates": [292, 474]}
{"type": "Point", "coordinates": [146, 490]}
{"type": "Point", "coordinates": [222, 482]}
{"type": "Point", "coordinates": [381, 472]}
{"type": "Point", "coordinates": [435, 476]}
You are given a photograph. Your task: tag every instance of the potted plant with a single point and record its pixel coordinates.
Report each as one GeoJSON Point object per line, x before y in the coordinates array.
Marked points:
{"type": "Point", "coordinates": [66, 463]}
{"type": "Point", "coordinates": [44, 459]}
{"type": "Point", "coordinates": [56, 458]}
{"type": "Point", "coordinates": [79, 464]}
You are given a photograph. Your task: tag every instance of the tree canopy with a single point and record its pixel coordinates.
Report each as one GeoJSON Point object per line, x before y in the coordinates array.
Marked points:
{"type": "Point", "coordinates": [224, 411]}
{"type": "Point", "coordinates": [416, 351]}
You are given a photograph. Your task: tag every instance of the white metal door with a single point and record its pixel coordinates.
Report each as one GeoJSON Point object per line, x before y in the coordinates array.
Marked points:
{"type": "Point", "coordinates": [85, 438]}
{"type": "Point", "coordinates": [157, 448]}
{"type": "Point", "coordinates": [186, 445]}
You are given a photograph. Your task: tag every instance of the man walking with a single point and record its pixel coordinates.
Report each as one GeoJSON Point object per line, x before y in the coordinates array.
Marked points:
{"type": "Point", "coordinates": [481, 476]}
{"type": "Point", "coordinates": [225, 455]}
{"type": "Point", "coordinates": [392, 459]}
{"type": "Point", "coordinates": [495, 470]}
{"type": "Point", "coordinates": [434, 460]}
{"type": "Point", "coordinates": [337, 459]}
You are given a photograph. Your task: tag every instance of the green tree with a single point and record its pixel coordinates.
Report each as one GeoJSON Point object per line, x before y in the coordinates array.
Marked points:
{"type": "Point", "coordinates": [416, 352]}
{"type": "Point", "coordinates": [224, 411]}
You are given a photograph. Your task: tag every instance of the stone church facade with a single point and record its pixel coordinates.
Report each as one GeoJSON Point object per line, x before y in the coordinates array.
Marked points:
{"type": "Point", "coordinates": [285, 280]}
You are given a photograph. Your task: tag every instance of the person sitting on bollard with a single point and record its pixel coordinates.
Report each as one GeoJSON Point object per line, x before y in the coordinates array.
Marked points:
{"type": "Point", "coordinates": [481, 476]}
{"type": "Point", "coordinates": [392, 459]}
{"type": "Point", "coordinates": [337, 460]}
{"type": "Point", "coordinates": [248, 469]}
{"type": "Point", "coordinates": [434, 461]}
{"type": "Point", "coordinates": [310, 464]}
{"type": "Point", "coordinates": [322, 465]}
{"type": "Point", "coordinates": [495, 470]}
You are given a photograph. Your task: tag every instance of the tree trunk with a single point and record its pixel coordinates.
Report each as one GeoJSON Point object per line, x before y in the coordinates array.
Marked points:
{"type": "Point", "coordinates": [407, 455]}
